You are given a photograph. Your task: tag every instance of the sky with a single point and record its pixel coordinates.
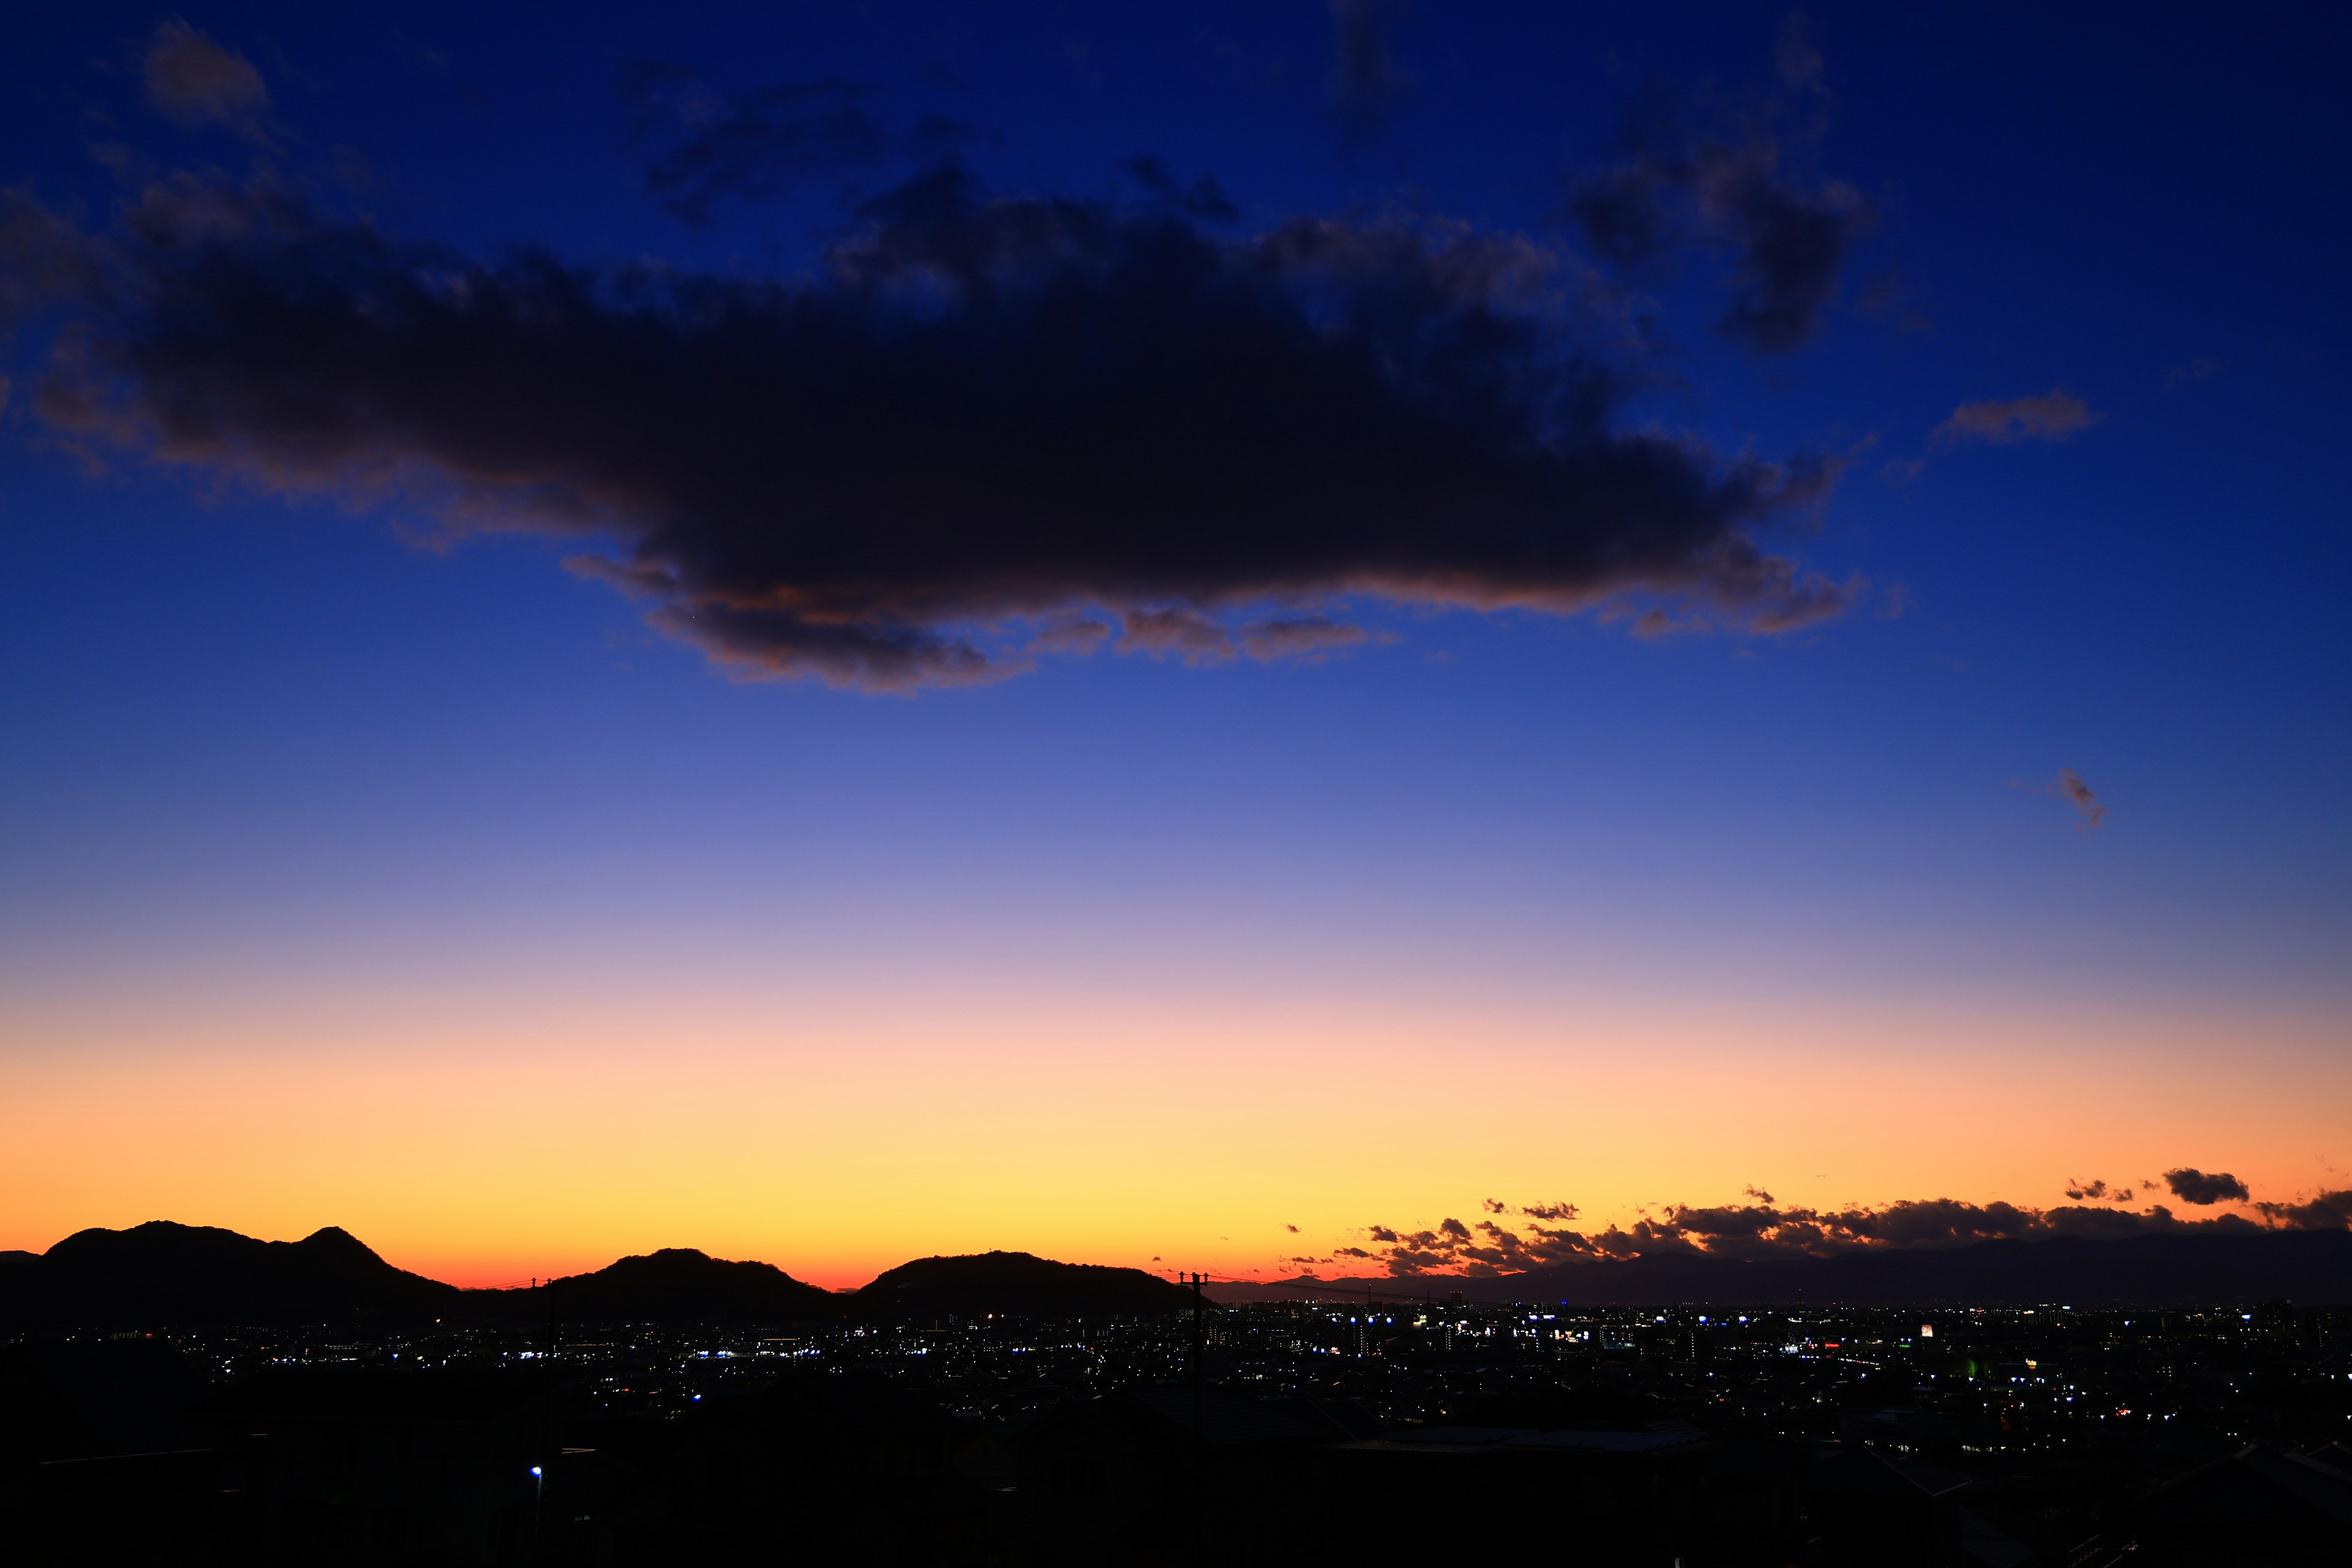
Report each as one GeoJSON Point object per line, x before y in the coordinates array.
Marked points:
{"type": "Point", "coordinates": [1174, 638]}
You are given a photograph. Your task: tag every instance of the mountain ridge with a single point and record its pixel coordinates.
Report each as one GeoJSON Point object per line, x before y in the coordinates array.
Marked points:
{"type": "Point", "coordinates": [163, 1273]}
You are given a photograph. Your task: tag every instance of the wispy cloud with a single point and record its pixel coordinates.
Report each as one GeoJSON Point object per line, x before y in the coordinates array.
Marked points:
{"type": "Point", "coordinates": [2069, 787]}
{"type": "Point", "coordinates": [1788, 236]}
{"type": "Point", "coordinates": [704, 144]}
{"type": "Point", "coordinates": [194, 81]}
{"type": "Point", "coordinates": [2053, 415]}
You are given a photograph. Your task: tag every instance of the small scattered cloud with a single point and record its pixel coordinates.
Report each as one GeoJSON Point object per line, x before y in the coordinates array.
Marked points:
{"type": "Point", "coordinates": [194, 81]}
{"type": "Point", "coordinates": [1787, 236]}
{"type": "Point", "coordinates": [1900, 471]}
{"type": "Point", "coordinates": [2069, 787]}
{"type": "Point", "coordinates": [1291, 1228]}
{"type": "Point", "coordinates": [2053, 415]}
{"type": "Point", "coordinates": [2205, 1188]}
{"type": "Point", "coordinates": [1758, 1194]}
{"type": "Point", "coordinates": [1894, 604]}
{"type": "Point", "coordinates": [2096, 1191]}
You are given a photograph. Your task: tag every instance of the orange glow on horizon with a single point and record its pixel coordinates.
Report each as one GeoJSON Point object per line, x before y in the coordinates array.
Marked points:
{"type": "Point", "coordinates": [472, 1144]}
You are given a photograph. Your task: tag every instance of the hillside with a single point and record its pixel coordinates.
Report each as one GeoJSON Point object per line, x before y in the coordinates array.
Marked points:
{"type": "Point", "coordinates": [673, 1285]}
{"type": "Point", "coordinates": [161, 1273]}
{"type": "Point", "coordinates": [1015, 1284]}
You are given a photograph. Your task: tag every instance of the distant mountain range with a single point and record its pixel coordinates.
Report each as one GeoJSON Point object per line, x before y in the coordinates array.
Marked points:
{"type": "Point", "coordinates": [2302, 1265]}
{"type": "Point", "coordinates": [160, 1273]}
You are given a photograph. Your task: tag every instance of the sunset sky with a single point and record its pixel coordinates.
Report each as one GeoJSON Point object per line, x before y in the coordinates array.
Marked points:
{"type": "Point", "coordinates": [535, 726]}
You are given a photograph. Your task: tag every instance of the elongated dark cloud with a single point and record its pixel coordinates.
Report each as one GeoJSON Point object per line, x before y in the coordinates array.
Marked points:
{"type": "Point", "coordinates": [2321, 1211]}
{"type": "Point", "coordinates": [194, 80]}
{"type": "Point", "coordinates": [981, 427]}
{"type": "Point", "coordinates": [704, 145]}
{"type": "Point", "coordinates": [1765, 1229]}
{"type": "Point", "coordinates": [1788, 238]}
{"type": "Point", "coordinates": [2204, 1188]}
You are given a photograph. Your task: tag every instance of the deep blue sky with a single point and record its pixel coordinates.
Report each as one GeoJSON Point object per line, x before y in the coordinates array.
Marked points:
{"type": "Point", "coordinates": [247, 744]}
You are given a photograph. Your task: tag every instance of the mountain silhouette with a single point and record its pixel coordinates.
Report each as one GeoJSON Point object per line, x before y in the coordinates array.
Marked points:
{"type": "Point", "coordinates": [161, 1273]}
{"type": "Point", "coordinates": [2301, 1266]}
{"type": "Point", "coordinates": [674, 1284]}
{"type": "Point", "coordinates": [1015, 1284]}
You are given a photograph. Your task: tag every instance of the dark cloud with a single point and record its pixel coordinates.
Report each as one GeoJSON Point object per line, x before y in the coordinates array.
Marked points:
{"type": "Point", "coordinates": [2069, 787]}
{"type": "Point", "coordinates": [2323, 1211]}
{"type": "Point", "coordinates": [1787, 238]}
{"type": "Point", "coordinates": [2097, 1191]}
{"type": "Point", "coordinates": [1367, 87]}
{"type": "Point", "coordinates": [1758, 1194]}
{"type": "Point", "coordinates": [703, 144]}
{"type": "Point", "coordinates": [192, 79]}
{"type": "Point", "coordinates": [1291, 1228]}
{"type": "Point", "coordinates": [2051, 417]}
{"type": "Point", "coordinates": [2205, 1188]}
{"type": "Point", "coordinates": [1764, 1229]}
{"type": "Point", "coordinates": [983, 428]}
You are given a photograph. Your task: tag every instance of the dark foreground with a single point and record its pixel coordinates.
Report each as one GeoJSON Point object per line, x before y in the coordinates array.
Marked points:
{"type": "Point", "coordinates": [1406, 1434]}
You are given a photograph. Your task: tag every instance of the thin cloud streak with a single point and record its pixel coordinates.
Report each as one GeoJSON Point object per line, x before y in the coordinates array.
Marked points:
{"type": "Point", "coordinates": [2053, 415]}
